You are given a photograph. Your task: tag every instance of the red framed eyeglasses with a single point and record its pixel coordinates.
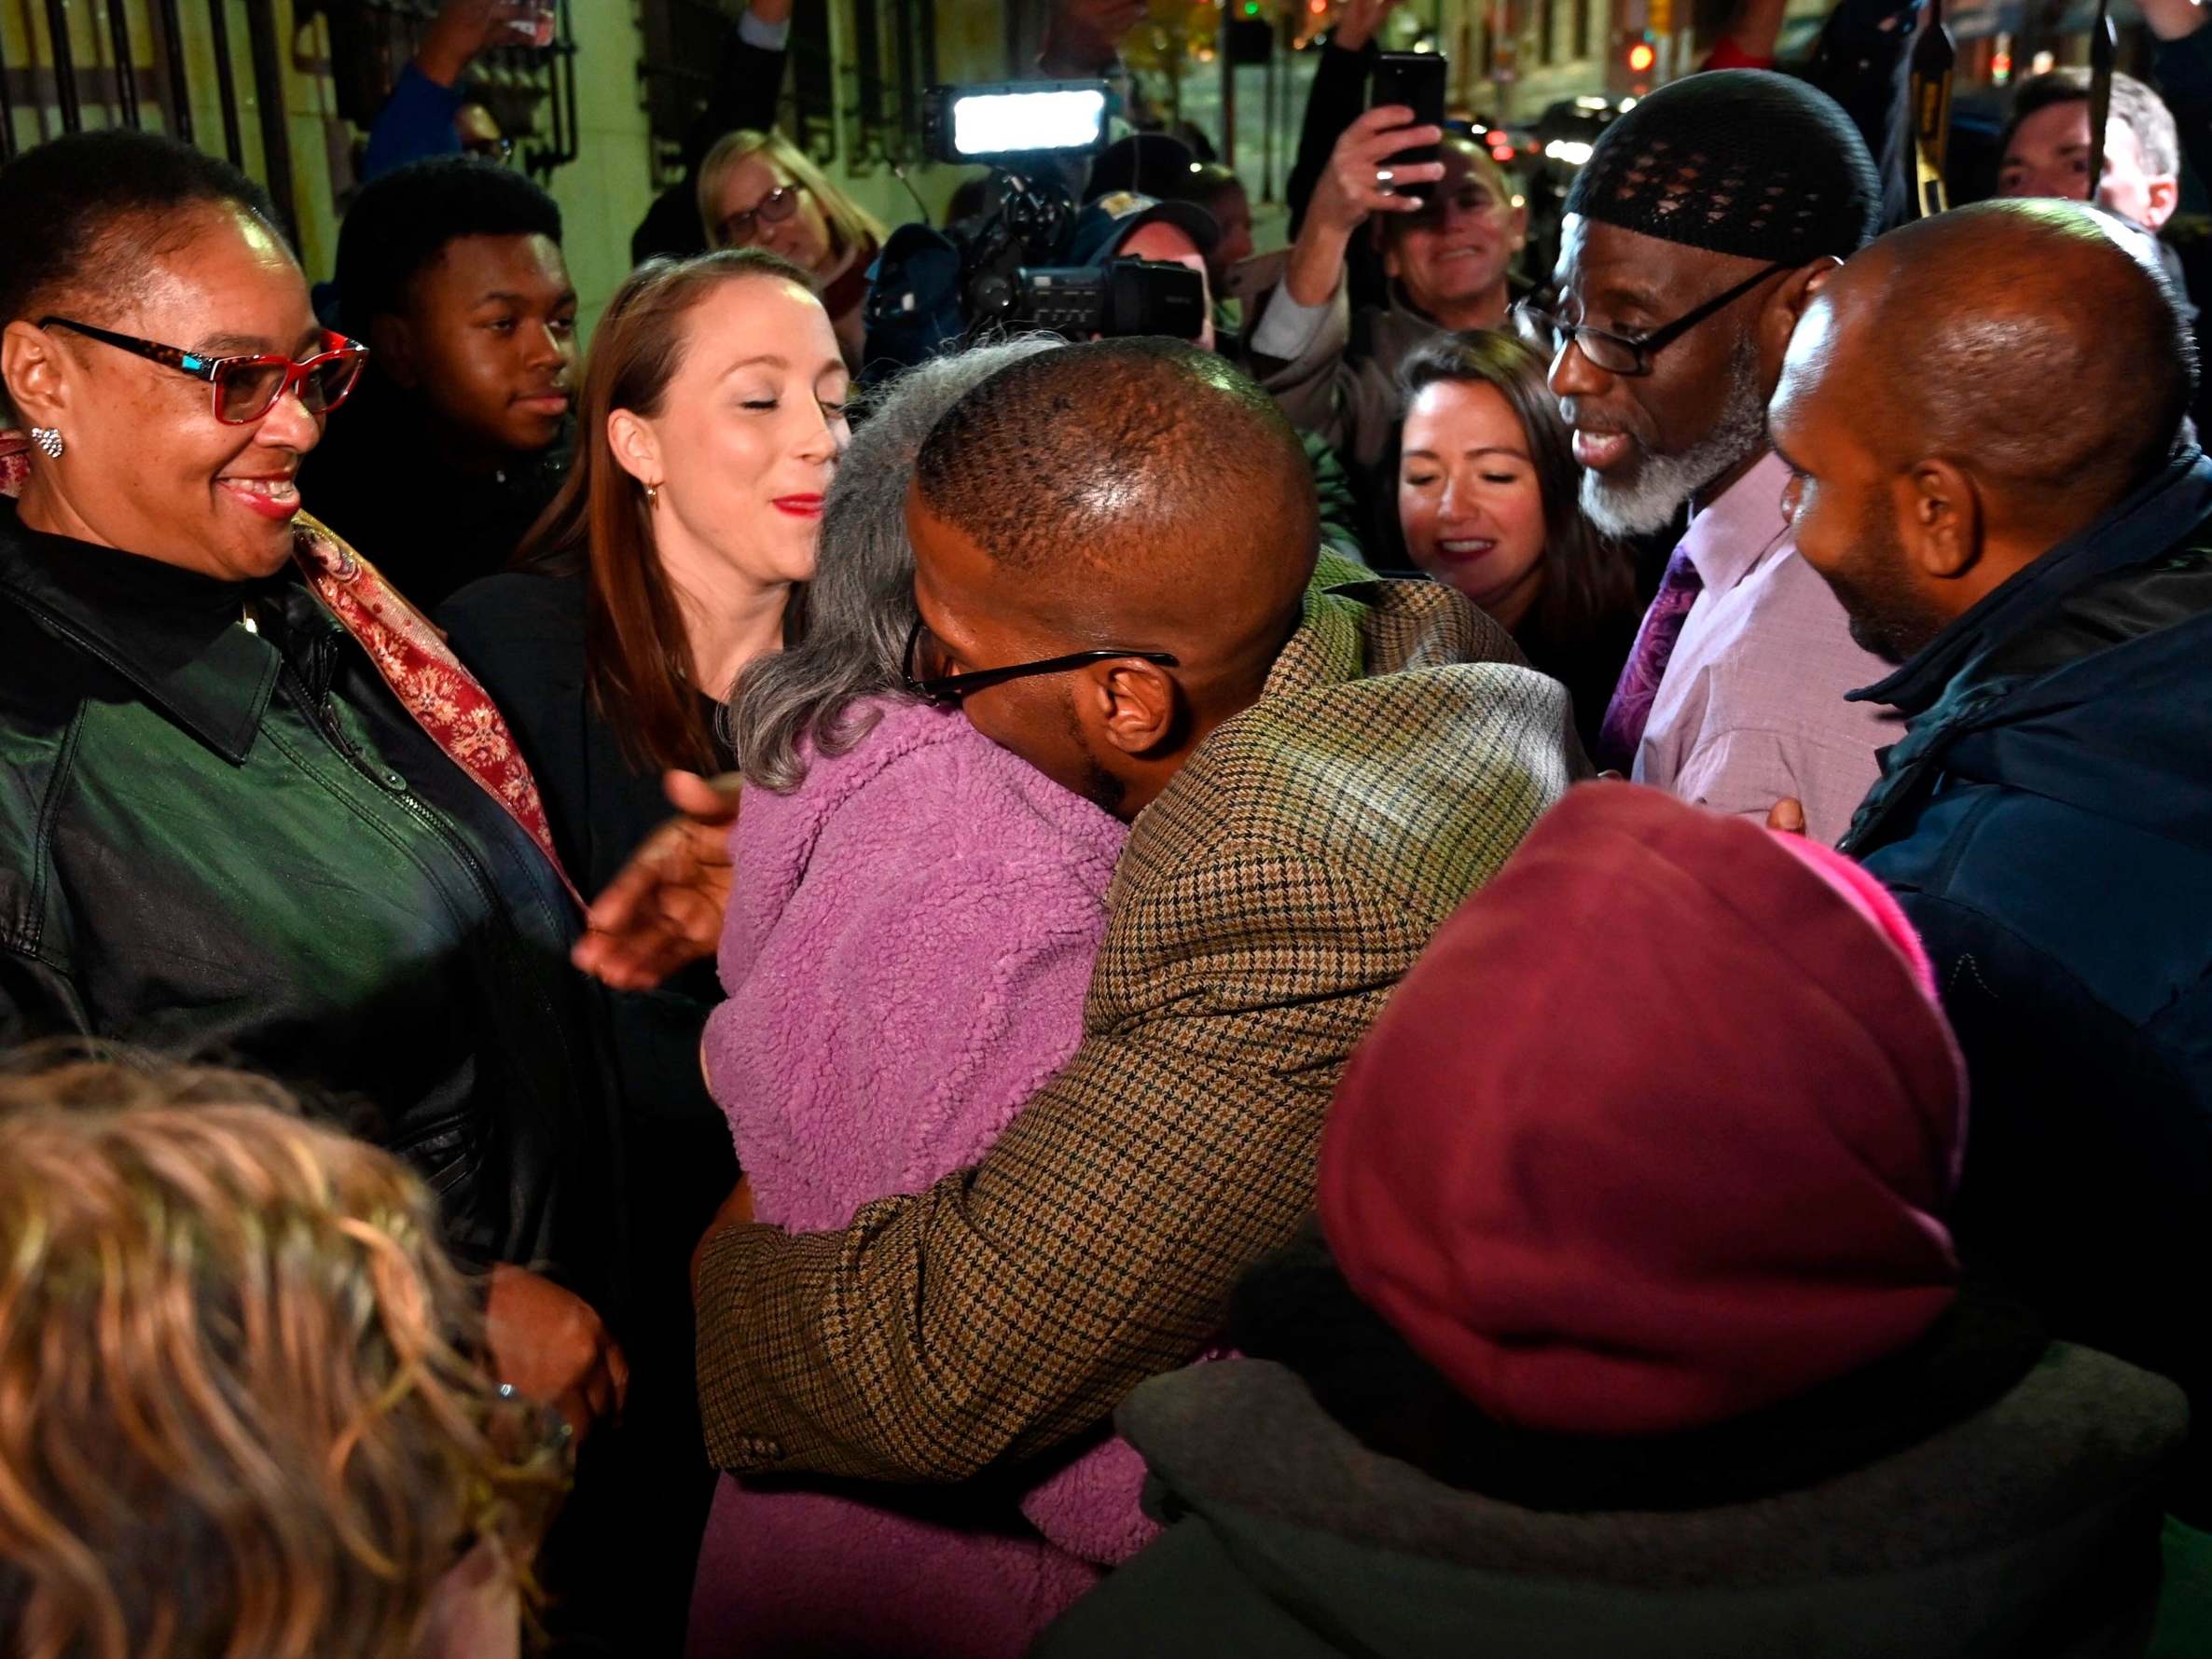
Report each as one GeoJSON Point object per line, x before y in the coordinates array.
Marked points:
{"type": "Point", "coordinates": [247, 388]}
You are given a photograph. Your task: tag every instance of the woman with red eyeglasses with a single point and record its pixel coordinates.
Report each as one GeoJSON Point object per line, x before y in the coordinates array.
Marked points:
{"type": "Point", "coordinates": [251, 805]}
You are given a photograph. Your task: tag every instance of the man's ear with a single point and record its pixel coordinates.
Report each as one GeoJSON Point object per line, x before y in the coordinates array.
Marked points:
{"type": "Point", "coordinates": [393, 345]}
{"type": "Point", "coordinates": [2165, 196]}
{"type": "Point", "coordinates": [34, 374]}
{"type": "Point", "coordinates": [1778, 321]}
{"type": "Point", "coordinates": [1135, 704]}
{"type": "Point", "coordinates": [1942, 522]}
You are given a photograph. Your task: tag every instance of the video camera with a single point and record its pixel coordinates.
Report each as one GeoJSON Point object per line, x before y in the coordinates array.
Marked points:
{"type": "Point", "coordinates": [1015, 264]}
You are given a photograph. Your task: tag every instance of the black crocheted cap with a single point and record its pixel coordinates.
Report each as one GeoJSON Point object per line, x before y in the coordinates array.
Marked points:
{"type": "Point", "coordinates": [1738, 162]}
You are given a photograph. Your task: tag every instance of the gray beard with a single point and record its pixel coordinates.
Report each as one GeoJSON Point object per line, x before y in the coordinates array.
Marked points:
{"type": "Point", "coordinates": [1650, 501]}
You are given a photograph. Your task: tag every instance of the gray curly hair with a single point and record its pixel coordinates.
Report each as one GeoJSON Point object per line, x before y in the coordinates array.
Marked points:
{"type": "Point", "coordinates": [859, 605]}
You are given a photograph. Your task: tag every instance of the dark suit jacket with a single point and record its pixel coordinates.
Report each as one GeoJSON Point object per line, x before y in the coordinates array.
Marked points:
{"type": "Point", "coordinates": [523, 637]}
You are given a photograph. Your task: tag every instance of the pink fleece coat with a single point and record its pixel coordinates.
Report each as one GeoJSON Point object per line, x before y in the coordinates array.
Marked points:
{"type": "Point", "coordinates": [905, 954]}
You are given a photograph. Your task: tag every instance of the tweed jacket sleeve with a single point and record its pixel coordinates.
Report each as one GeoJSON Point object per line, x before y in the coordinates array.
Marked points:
{"type": "Point", "coordinates": [1267, 904]}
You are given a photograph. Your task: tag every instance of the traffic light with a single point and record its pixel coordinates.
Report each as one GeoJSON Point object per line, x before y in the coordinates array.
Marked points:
{"type": "Point", "coordinates": [1641, 59]}
{"type": "Point", "coordinates": [1250, 36]}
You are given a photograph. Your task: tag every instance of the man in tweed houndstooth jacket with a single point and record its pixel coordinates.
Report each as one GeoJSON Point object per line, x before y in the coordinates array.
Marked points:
{"type": "Point", "coordinates": [1296, 860]}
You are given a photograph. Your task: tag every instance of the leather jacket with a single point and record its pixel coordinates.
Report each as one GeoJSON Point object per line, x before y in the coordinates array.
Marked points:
{"type": "Point", "coordinates": [235, 844]}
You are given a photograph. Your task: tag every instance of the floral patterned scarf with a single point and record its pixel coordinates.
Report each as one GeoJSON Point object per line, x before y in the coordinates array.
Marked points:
{"type": "Point", "coordinates": [409, 653]}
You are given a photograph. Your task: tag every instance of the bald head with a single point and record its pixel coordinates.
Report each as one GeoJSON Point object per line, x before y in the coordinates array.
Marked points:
{"type": "Point", "coordinates": [1135, 501]}
{"type": "Point", "coordinates": [1964, 396]}
{"type": "Point", "coordinates": [2031, 342]}
{"type": "Point", "coordinates": [1141, 474]}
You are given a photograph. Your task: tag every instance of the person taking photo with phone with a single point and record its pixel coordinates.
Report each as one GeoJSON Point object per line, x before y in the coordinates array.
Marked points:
{"type": "Point", "coordinates": [1332, 370]}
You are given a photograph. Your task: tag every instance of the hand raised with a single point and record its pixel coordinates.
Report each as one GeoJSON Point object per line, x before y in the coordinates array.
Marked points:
{"type": "Point", "coordinates": [1351, 186]}
{"type": "Point", "coordinates": [1083, 37]}
{"type": "Point", "coordinates": [461, 28]}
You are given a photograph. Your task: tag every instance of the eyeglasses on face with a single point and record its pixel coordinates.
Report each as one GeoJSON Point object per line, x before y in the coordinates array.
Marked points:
{"type": "Point", "coordinates": [1625, 354]}
{"type": "Point", "coordinates": [247, 388]}
{"type": "Point", "coordinates": [738, 229]}
{"type": "Point", "coordinates": [943, 690]}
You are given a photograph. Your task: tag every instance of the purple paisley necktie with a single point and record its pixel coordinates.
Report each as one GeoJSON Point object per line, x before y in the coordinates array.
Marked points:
{"type": "Point", "coordinates": [1630, 710]}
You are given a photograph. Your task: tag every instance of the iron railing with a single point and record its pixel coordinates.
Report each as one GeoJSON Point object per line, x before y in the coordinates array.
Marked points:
{"type": "Point", "coordinates": [894, 63]}
{"type": "Point", "coordinates": [888, 62]}
{"type": "Point", "coordinates": [124, 62]}
{"type": "Point", "coordinates": [683, 41]}
{"type": "Point", "coordinates": [371, 41]}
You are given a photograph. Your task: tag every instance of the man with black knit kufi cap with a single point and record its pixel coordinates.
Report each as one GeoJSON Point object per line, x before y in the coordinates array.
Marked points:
{"type": "Point", "coordinates": [1704, 221]}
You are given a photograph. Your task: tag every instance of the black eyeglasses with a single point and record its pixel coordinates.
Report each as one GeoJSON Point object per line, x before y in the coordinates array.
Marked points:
{"type": "Point", "coordinates": [1620, 355]}
{"type": "Point", "coordinates": [945, 689]}
{"type": "Point", "coordinates": [738, 229]}
{"type": "Point", "coordinates": [247, 388]}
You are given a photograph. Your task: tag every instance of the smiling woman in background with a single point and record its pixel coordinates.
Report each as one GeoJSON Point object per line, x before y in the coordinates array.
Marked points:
{"type": "Point", "coordinates": [675, 554]}
{"type": "Point", "coordinates": [1486, 501]}
{"type": "Point", "coordinates": [760, 190]}
{"type": "Point", "coordinates": [1449, 261]}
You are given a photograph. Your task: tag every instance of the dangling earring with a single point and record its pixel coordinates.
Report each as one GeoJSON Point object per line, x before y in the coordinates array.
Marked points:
{"type": "Point", "coordinates": [653, 495]}
{"type": "Point", "coordinates": [48, 439]}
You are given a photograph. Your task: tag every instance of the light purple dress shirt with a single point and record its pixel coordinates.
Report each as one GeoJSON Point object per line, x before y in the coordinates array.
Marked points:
{"type": "Point", "coordinates": [1751, 709]}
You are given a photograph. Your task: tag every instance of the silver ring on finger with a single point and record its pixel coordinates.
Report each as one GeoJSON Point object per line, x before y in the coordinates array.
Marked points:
{"type": "Point", "coordinates": [1383, 179]}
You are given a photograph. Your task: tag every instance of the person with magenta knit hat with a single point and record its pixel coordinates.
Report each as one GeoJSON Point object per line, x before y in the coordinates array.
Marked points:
{"type": "Point", "coordinates": [1643, 1334]}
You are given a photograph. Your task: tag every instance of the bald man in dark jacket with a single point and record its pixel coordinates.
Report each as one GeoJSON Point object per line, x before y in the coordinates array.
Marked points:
{"type": "Point", "coordinates": [2026, 539]}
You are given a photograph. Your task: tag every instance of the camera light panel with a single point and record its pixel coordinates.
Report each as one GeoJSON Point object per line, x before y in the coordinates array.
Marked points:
{"type": "Point", "coordinates": [1015, 123]}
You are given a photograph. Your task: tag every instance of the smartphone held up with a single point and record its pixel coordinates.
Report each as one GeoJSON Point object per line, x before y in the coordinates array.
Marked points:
{"type": "Point", "coordinates": [1417, 81]}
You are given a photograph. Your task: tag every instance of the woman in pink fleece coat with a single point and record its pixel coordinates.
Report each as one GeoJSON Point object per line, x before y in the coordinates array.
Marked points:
{"type": "Point", "coordinates": [905, 957]}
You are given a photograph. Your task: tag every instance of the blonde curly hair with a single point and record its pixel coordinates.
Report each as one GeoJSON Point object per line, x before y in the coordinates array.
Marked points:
{"type": "Point", "coordinates": [239, 1414]}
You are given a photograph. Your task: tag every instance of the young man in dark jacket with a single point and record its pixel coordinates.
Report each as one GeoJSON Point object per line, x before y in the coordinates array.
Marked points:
{"type": "Point", "coordinates": [451, 272]}
{"type": "Point", "coordinates": [2020, 533]}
